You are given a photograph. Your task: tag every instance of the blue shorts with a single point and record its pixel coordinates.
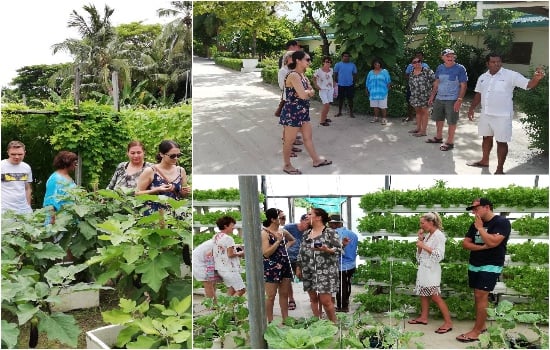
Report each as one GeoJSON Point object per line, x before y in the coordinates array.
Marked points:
{"type": "Point", "coordinates": [482, 280]}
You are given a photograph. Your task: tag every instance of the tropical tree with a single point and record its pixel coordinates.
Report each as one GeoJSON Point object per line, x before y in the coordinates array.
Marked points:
{"type": "Point", "coordinates": [94, 54]}
{"type": "Point", "coordinates": [315, 12]}
{"type": "Point", "coordinates": [32, 83]}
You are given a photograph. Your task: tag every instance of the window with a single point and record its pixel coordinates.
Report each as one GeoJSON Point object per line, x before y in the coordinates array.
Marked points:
{"type": "Point", "coordinates": [519, 54]}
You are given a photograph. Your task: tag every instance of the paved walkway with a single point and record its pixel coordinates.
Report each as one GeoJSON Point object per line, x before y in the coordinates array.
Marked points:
{"type": "Point", "coordinates": [235, 132]}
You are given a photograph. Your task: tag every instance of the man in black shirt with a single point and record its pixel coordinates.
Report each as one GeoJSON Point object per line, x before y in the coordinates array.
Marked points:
{"type": "Point", "coordinates": [486, 240]}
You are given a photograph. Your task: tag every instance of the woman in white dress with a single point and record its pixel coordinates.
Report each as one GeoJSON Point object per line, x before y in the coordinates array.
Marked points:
{"type": "Point", "coordinates": [430, 251]}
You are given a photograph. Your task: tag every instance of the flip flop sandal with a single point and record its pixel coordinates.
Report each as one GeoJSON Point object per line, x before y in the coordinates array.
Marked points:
{"type": "Point", "coordinates": [328, 120]}
{"type": "Point", "coordinates": [296, 149]}
{"type": "Point", "coordinates": [434, 140]}
{"type": "Point", "coordinates": [417, 322]}
{"type": "Point", "coordinates": [374, 120]}
{"type": "Point", "coordinates": [297, 142]}
{"type": "Point", "coordinates": [293, 172]}
{"type": "Point", "coordinates": [325, 124]}
{"type": "Point", "coordinates": [446, 146]}
{"type": "Point", "coordinates": [413, 131]}
{"type": "Point", "coordinates": [464, 339]}
{"type": "Point", "coordinates": [293, 155]}
{"type": "Point", "coordinates": [323, 163]}
{"type": "Point", "coordinates": [418, 135]}
{"type": "Point", "coordinates": [443, 330]}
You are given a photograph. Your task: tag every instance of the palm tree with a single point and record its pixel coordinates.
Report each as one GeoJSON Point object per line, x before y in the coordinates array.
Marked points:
{"type": "Point", "coordinates": [95, 53]}
{"type": "Point", "coordinates": [176, 38]}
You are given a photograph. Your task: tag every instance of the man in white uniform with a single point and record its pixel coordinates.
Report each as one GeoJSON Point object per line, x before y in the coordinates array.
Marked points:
{"type": "Point", "coordinates": [16, 177]}
{"type": "Point", "coordinates": [494, 90]}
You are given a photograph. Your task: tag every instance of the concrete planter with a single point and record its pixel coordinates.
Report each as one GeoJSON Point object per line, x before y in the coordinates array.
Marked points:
{"type": "Point", "coordinates": [249, 65]}
{"type": "Point", "coordinates": [185, 270]}
{"type": "Point", "coordinates": [102, 338]}
{"type": "Point", "coordinates": [72, 300]}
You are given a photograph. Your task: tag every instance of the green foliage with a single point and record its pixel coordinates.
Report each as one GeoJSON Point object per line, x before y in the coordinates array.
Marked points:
{"type": "Point", "coordinates": [461, 305]}
{"type": "Point", "coordinates": [499, 336]}
{"type": "Point", "coordinates": [379, 303]}
{"type": "Point", "coordinates": [534, 103]}
{"type": "Point", "coordinates": [511, 196]}
{"type": "Point", "coordinates": [153, 326]}
{"type": "Point", "coordinates": [318, 334]}
{"type": "Point", "coordinates": [32, 277]}
{"type": "Point", "coordinates": [270, 74]}
{"type": "Point", "coordinates": [528, 281]}
{"type": "Point", "coordinates": [233, 63]}
{"type": "Point", "coordinates": [229, 315]}
{"type": "Point", "coordinates": [358, 30]}
{"type": "Point", "coordinates": [224, 194]}
{"type": "Point", "coordinates": [529, 226]}
{"type": "Point", "coordinates": [211, 217]}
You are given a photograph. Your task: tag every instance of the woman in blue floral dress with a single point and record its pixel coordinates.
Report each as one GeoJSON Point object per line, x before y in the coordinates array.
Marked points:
{"type": "Point", "coordinates": [295, 113]}
{"type": "Point", "coordinates": [277, 270]}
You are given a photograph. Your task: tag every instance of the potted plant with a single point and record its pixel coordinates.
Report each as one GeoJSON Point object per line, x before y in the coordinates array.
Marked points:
{"type": "Point", "coordinates": [310, 333]}
{"type": "Point", "coordinates": [145, 326]}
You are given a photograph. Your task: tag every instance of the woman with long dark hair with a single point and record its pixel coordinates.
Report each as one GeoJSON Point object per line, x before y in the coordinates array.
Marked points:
{"type": "Point", "coordinates": [318, 263]}
{"type": "Point", "coordinates": [295, 113]}
{"type": "Point", "coordinates": [277, 269]}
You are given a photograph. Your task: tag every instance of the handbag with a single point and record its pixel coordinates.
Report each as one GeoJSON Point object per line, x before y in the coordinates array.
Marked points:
{"type": "Point", "coordinates": [282, 101]}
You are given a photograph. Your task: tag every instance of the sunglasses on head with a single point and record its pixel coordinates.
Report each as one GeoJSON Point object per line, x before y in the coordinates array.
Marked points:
{"type": "Point", "coordinates": [174, 156]}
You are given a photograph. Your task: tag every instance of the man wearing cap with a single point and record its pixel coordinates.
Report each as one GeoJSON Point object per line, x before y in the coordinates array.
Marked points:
{"type": "Point", "coordinates": [345, 73]}
{"type": "Point", "coordinates": [297, 231]}
{"type": "Point", "coordinates": [448, 91]}
{"type": "Point", "coordinates": [347, 261]}
{"type": "Point", "coordinates": [486, 240]}
{"type": "Point", "coordinates": [494, 91]}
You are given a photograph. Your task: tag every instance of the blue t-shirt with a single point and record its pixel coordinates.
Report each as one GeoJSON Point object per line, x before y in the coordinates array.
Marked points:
{"type": "Point", "coordinates": [297, 234]}
{"type": "Point", "coordinates": [56, 191]}
{"type": "Point", "coordinates": [449, 81]}
{"type": "Point", "coordinates": [349, 256]}
{"type": "Point", "coordinates": [345, 71]}
{"type": "Point", "coordinates": [377, 84]}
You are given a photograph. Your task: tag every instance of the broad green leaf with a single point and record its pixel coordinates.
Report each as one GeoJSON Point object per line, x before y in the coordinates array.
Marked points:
{"type": "Point", "coordinates": [126, 335]}
{"type": "Point", "coordinates": [144, 342]}
{"type": "Point", "coordinates": [60, 326]}
{"type": "Point", "coordinates": [25, 312]}
{"type": "Point", "coordinates": [182, 306]}
{"type": "Point", "coordinates": [48, 250]}
{"type": "Point", "coordinates": [153, 273]}
{"type": "Point", "coordinates": [133, 253]}
{"type": "Point", "coordinates": [87, 230]}
{"type": "Point", "coordinates": [147, 325]}
{"type": "Point", "coordinates": [116, 316]}
{"type": "Point", "coordinates": [181, 337]}
{"type": "Point", "coordinates": [10, 334]}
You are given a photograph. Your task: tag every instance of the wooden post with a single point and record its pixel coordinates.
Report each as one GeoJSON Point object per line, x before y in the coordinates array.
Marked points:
{"type": "Point", "coordinates": [116, 98]}
{"type": "Point", "coordinates": [78, 170]}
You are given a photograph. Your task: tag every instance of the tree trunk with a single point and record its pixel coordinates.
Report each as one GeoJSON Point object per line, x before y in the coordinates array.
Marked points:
{"type": "Point", "coordinates": [414, 17]}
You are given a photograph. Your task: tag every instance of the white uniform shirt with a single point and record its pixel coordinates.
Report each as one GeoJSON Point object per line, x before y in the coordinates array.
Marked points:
{"type": "Point", "coordinates": [14, 178]}
{"type": "Point", "coordinates": [497, 91]}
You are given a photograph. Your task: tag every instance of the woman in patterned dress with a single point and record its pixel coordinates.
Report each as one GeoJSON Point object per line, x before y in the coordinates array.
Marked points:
{"type": "Point", "coordinates": [430, 251]}
{"type": "Point", "coordinates": [295, 113]}
{"type": "Point", "coordinates": [127, 173]}
{"type": "Point", "coordinates": [318, 263]}
{"type": "Point", "coordinates": [420, 84]}
{"type": "Point", "coordinates": [165, 177]}
{"type": "Point", "coordinates": [277, 270]}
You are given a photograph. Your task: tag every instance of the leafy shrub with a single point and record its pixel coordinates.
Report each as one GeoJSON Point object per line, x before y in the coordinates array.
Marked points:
{"type": "Point", "coordinates": [233, 63]}
{"type": "Point", "coordinates": [534, 103]}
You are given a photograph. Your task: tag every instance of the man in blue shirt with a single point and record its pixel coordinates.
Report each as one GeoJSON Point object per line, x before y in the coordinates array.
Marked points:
{"type": "Point", "coordinates": [448, 91]}
{"type": "Point", "coordinates": [347, 262]}
{"type": "Point", "coordinates": [345, 73]}
{"type": "Point", "coordinates": [297, 231]}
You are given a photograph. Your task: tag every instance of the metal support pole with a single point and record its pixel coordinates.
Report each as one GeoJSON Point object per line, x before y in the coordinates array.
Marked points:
{"type": "Point", "coordinates": [250, 212]}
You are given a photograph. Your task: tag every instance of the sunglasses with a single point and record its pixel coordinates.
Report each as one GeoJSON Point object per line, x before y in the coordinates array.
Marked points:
{"type": "Point", "coordinates": [415, 62]}
{"type": "Point", "coordinates": [174, 156]}
{"type": "Point", "coordinates": [282, 217]}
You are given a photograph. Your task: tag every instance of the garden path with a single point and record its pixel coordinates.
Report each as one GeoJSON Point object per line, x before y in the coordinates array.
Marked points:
{"type": "Point", "coordinates": [235, 132]}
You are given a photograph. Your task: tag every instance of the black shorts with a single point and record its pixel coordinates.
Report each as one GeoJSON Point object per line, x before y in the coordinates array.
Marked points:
{"type": "Point", "coordinates": [346, 91]}
{"type": "Point", "coordinates": [482, 280]}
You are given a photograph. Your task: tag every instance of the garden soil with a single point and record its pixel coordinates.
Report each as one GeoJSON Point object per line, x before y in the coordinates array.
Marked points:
{"type": "Point", "coordinates": [235, 132]}
{"type": "Point", "coordinates": [430, 340]}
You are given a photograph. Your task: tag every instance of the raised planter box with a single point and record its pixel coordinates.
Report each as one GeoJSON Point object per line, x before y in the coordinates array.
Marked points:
{"type": "Point", "coordinates": [249, 65]}
{"type": "Point", "coordinates": [102, 338]}
{"type": "Point", "coordinates": [72, 300]}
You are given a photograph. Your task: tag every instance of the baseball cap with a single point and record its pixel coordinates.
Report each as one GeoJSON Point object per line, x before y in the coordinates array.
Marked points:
{"type": "Point", "coordinates": [447, 52]}
{"type": "Point", "coordinates": [480, 202]}
{"type": "Point", "coordinates": [303, 217]}
{"type": "Point", "coordinates": [336, 218]}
